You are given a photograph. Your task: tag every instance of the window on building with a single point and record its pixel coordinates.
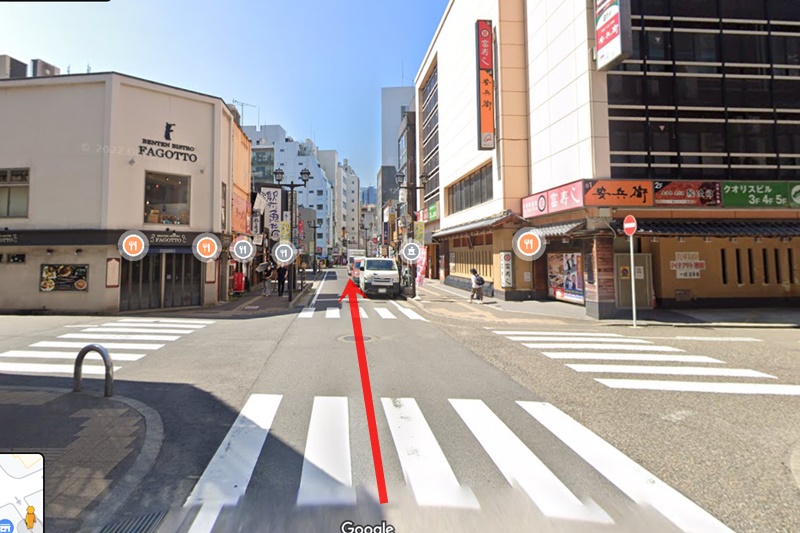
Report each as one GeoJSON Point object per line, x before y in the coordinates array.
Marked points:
{"type": "Point", "coordinates": [625, 89]}
{"type": "Point", "coordinates": [166, 199]}
{"type": "Point", "coordinates": [319, 207]}
{"type": "Point", "coordinates": [627, 135]}
{"type": "Point", "coordinates": [783, 10]}
{"type": "Point", "coordinates": [750, 137]}
{"type": "Point", "coordinates": [742, 92]}
{"type": "Point", "coordinates": [658, 46]}
{"type": "Point", "coordinates": [320, 236]}
{"type": "Point", "coordinates": [694, 8]}
{"type": "Point", "coordinates": [319, 193]}
{"type": "Point", "coordinates": [473, 190]}
{"type": "Point", "coordinates": [744, 48]}
{"type": "Point", "coordinates": [14, 191]}
{"type": "Point", "coordinates": [701, 136]}
{"type": "Point", "coordinates": [698, 92]}
{"type": "Point", "coordinates": [742, 9]}
{"type": "Point", "coordinates": [696, 46]}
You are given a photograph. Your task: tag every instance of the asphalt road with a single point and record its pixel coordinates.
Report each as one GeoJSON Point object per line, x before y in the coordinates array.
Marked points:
{"type": "Point", "coordinates": [481, 427]}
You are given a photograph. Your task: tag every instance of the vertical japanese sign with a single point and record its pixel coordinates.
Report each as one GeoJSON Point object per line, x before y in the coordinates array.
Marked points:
{"type": "Point", "coordinates": [422, 265]}
{"type": "Point", "coordinates": [613, 38]}
{"type": "Point", "coordinates": [485, 59]}
{"type": "Point", "coordinates": [272, 214]}
{"type": "Point", "coordinates": [419, 231]}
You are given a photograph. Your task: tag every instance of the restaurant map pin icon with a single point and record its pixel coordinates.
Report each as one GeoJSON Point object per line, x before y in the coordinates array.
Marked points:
{"type": "Point", "coordinates": [411, 251]}
{"type": "Point", "coordinates": [528, 244]}
{"type": "Point", "coordinates": [133, 245]}
{"type": "Point", "coordinates": [206, 247]}
{"type": "Point", "coordinates": [242, 249]}
{"type": "Point", "coordinates": [284, 253]}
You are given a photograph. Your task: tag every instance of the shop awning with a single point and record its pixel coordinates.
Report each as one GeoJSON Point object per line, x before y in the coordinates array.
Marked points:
{"type": "Point", "coordinates": [481, 224]}
{"type": "Point", "coordinates": [717, 228]}
{"type": "Point", "coordinates": [558, 230]}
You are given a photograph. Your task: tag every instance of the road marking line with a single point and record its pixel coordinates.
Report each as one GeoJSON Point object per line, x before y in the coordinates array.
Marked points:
{"type": "Point", "coordinates": [170, 321]}
{"type": "Point", "coordinates": [308, 312]}
{"type": "Point", "coordinates": [632, 357]}
{"type": "Point", "coordinates": [137, 330]}
{"type": "Point", "coordinates": [565, 333]}
{"type": "Point", "coordinates": [520, 466]}
{"type": "Point", "coordinates": [671, 370]}
{"type": "Point", "coordinates": [362, 312]}
{"type": "Point", "coordinates": [146, 325]}
{"type": "Point", "coordinates": [332, 312]}
{"type": "Point", "coordinates": [409, 313]}
{"type": "Point", "coordinates": [81, 326]}
{"type": "Point", "coordinates": [697, 386]}
{"type": "Point", "coordinates": [227, 476]}
{"type": "Point", "coordinates": [91, 356]}
{"type": "Point", "coordinates": [425, 467]}
{"type": "Point", "coordinates": [103, 336]}
{"type": "Point", "coordinates": [33, 368]}
{"type": "Point", "coordinates": [384, 313]}
{"type": "Point", "coordinates": [319, 289]}
{"type": "Point", "coordinates": [106, 345]}
{"type": "Point", "coordinates": [637, 483]}
{"type": "Point", "coordinates": [327, 477]}
{"type": "Point", "coordinates": [733, 339]}
{"type": "Point", "coordinates": [581, 339]}
{"type": "Point", "coordinates": [588, 346]}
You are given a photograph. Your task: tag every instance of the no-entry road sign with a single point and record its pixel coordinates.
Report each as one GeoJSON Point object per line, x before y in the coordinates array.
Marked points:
{"type": "Point", "coordinates": [629, 225]}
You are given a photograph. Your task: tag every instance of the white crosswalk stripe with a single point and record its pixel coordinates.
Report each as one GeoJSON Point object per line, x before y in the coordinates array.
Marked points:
{"type": "Point", "coordinates": [584, 346]}
{"type": "Point", "coordinates": [129, 335]}
{"type": "Point", "coordinates": [364, 312]}
{"type": "Point", "coordinates": [327, 469]}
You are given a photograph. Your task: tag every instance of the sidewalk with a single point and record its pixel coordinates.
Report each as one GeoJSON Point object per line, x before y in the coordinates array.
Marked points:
{"type": "Point", "coordinates": [96, 449]}
{"type": "Point", "coordinates": [246, 305]}
{"type": "Point", "coordinates": [434, 296]}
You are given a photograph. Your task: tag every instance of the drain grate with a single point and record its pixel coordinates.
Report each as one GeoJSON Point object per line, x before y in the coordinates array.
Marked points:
{"type": "Point", "coordinates": [142, 524]}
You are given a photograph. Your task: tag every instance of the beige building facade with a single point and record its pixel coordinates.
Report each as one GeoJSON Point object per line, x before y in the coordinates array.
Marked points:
{"type": "Point", "coordinates": [92, 156]}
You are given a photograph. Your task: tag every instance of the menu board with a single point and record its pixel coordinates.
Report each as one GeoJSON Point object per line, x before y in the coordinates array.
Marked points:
{"type": "Point", "coordinates": [565, 277]}
{"type": "Point", "coordinates": [64, 278]}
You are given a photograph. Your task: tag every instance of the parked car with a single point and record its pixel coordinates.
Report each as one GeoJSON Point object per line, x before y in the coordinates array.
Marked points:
{"type": "Point", "coordinates": [380, 275]}
{"type": "Point", "coordinates": [357, 262]}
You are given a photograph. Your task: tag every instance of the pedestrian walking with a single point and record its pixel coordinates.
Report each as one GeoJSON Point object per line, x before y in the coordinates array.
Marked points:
{"type": "Point", "coordinates": [268, 281]}
{"type": "Point", "coordinates": [477, 286]}
{"type": "Point", "coordinates": [281, 275]}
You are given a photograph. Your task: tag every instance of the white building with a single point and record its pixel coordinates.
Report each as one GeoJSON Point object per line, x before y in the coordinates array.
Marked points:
{"type": "Point", "coordinates": [329, 159]}
{"type": "Point", "coordinates": [292, 157]}
{"type": "Point", "coordinates": [395, 102]}
{"type": "Point", "coordinates": [91, 156]}
{"type": "Point", "coordinates": [353, 214]}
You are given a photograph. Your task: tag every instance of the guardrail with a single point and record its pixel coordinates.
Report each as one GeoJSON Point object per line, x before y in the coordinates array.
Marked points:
{"type": "Point", "coordinates": [109, 380]}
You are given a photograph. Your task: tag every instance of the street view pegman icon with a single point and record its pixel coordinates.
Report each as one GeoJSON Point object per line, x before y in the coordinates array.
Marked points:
{"type": "Point", "coordinates": [30, 518]}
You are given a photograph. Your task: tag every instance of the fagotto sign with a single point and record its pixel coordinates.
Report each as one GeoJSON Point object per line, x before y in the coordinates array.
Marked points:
{"type": "Point", "coordinates": [167, 150]}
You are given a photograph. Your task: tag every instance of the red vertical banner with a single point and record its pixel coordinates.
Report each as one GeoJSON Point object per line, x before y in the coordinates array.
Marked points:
{"type": "Point", "coordinates": [485, 82]}
{"type": "Point", "coordinates": [422, 266]}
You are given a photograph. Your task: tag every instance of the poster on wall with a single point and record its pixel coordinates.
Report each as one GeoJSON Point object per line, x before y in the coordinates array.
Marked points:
{"type": "Point", "coordinates": [64, 278]}
{"type": "Point", "coordinates": [565, 277]}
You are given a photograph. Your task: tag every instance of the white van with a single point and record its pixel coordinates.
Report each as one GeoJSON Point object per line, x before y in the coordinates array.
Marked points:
{"type": "Point", "coordinates": [379, 275]}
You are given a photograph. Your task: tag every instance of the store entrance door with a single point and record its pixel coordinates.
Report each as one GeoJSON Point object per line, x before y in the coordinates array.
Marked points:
{"type": "Point", "coordinates": [182, 280]}
{"type": "Point", "coordinates": [141, 284]}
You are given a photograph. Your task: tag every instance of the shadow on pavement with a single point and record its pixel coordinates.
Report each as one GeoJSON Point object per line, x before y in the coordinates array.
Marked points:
{"type": "Point", "coordinates": [194, 422]}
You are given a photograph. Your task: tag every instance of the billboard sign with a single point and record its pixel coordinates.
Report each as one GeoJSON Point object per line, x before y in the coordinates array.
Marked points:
{"type": "Point", "coordinates": [612, 32]}
{"type": "Point", "coordinates": [632, 193]}
{"type": "Point", "coordinates": [687, 193]}
{"type": "Point", "coordinates": [485, 61]}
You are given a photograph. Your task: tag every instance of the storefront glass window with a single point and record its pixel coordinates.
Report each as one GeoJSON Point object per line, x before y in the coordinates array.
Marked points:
{"type": "Point", "coordinates": [14, 192]}
{"type": "Point", "coordinates": [166, 199]}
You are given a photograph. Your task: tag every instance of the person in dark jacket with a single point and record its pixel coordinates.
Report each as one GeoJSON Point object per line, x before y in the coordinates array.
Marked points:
{"type": "Point", "coordinates": [282, 270]}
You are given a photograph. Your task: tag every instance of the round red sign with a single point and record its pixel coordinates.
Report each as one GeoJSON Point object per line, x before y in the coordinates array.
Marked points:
{"type": "Point", "coordinates": [629, 225]}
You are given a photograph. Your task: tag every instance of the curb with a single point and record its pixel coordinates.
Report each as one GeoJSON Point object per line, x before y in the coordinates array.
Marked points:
{"type": "Point", "coordinates": [738, 325]}
{"type": "Point", "coordinates": [105, 509]}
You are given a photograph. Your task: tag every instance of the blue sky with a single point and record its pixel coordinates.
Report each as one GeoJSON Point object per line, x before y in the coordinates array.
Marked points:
{"type": "Point", "coordinates": [313, 66]}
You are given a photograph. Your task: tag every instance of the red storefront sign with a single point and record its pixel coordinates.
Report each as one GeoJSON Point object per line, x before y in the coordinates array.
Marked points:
{"type": "Point", "coordinates": [555, 200]}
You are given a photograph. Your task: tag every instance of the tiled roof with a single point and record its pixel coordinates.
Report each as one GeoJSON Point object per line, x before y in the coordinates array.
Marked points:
{"type": "Point", "coordinates": [717, 228]}
{"type": "Point", "coordinates": [557, 230]}
{"type": "Point", "coordinates": [483, 223]}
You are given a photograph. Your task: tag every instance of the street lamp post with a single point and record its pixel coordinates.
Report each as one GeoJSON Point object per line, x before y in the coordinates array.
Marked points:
{"type": "Point", "coordinates": [412, 201]}
{"type": "Point", "coordinates": [305, 175]}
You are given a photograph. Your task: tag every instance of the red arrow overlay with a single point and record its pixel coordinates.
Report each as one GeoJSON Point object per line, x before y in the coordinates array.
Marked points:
{"type": "Point", "coordinates": [351, 291]}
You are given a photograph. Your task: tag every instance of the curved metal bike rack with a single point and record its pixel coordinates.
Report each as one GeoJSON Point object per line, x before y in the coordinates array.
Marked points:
{"type": "Point", "coordinates": [76, 380]}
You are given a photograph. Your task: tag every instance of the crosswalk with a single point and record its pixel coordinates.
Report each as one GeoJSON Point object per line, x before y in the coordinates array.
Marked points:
{"type": "Point", "coordinates": [326, 478]}
{"type": "Point", "coordinates": [604, 353]}
{"type": "Point", "coordinates": [365, 312]}
{"type": "Point", "coordinates": [126, 339]}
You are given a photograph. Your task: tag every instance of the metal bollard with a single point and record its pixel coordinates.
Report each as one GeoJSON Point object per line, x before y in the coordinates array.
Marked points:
{"type": "Point", "coordinates": [76, 380]}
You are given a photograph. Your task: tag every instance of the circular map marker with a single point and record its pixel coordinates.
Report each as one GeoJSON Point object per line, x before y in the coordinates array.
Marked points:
{"type": "Point", "coordinates": [284, 253]}
{"type": "Point", "coordinates": [242, 249]}
{"type": "Point", "coordinates": [411, 251]}
{"type": "Point", "coordinates": [529, 245]}
{"type": "Point", "coordinates": [133, 245]}
{"type": "Point", "coordinates": [206, 247]}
